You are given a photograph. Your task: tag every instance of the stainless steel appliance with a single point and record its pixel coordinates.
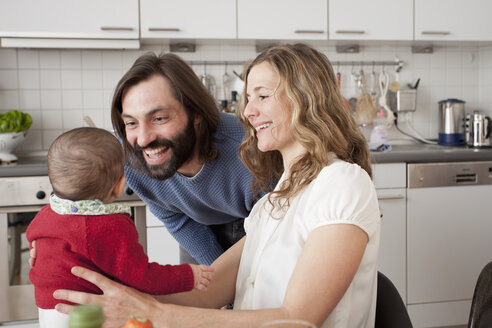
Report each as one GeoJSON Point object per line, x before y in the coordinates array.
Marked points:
{"type": "Point", "coordinates": [448, 239]}
{"type": "Point", "coordinates": [451, 122]}
{"type": "Point", "coordinates": [477, 129]}
{"type": "Point", "coordinates": [21, 197]}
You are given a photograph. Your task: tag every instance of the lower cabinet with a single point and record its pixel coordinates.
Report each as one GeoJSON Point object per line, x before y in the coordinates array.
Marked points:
{"type": "Point", "coordinates": [161, 246]}
{"type": "Point", "coordinates": [390, 182]}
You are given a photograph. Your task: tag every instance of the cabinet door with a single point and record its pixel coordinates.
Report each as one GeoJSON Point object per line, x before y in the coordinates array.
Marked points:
{"type": "Point", "coordinates": [282, 19]}
{"type": "Point", "coordinates": [108, 19]}
{"type": "Point", "coordinates": [392, 248]}
{"type": "Point", "coordinates": [161, 245]}
{"type": "Point", "coordinates": [467, 20]}
{"type": "Point", "coordinates": [370, 20]}
{"type": "Point", "coordinates": [188, 19]}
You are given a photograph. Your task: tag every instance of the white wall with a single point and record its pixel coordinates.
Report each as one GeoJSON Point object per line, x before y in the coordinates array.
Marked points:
{"type": "Point", "coordinates": [59, 87]}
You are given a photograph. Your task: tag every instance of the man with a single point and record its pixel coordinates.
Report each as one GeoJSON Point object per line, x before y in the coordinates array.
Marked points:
{"type": "Point", "coordinates": [183, 160]}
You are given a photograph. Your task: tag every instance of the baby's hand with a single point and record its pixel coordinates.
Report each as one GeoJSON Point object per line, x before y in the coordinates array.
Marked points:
{"type": "Point", "coordinates": [202, 275]}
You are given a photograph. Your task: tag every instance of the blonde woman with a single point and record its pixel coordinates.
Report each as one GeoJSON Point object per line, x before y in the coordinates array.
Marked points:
{"type": "Point", "coordinates": [311, 245]}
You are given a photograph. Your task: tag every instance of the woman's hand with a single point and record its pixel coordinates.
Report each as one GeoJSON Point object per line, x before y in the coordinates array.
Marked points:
{"type": "Point", "coordinates": [118, 302]}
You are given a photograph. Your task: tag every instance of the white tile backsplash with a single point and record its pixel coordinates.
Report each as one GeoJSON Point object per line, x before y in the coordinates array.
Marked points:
{"type": "Point", "coordinates": [61, 86]}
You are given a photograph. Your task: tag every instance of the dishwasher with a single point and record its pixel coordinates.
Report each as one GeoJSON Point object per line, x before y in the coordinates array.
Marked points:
{"type": "Point", "coordinates": [449, 238]}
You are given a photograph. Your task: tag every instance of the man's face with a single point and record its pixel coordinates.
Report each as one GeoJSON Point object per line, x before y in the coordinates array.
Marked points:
{"type": "Point", "coordinates": [158, 128]}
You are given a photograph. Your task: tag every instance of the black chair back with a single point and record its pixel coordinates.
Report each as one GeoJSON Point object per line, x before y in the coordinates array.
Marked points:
{"type": "Point", "coordinates": [481, 307]}
{"type": "Point", "coordinates": [390, 308]}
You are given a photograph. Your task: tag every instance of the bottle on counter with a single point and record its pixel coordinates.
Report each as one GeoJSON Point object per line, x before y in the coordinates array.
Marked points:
{"type": "Point", "coordinates": [379, 133]}
{"type": "Point", "coordinates": [233, 104]}
{"type": "Point", "coordinates": [224, 106]}
{"type": "Point", "coordinates": [86, 316]}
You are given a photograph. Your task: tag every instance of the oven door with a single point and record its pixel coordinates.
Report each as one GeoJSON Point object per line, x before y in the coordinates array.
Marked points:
{"type": "Point", "coordinates": [17, 293]}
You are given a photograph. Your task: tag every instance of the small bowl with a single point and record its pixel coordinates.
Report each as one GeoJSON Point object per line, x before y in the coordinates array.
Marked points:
{"type": "Point", "coordinates": [8, 142]}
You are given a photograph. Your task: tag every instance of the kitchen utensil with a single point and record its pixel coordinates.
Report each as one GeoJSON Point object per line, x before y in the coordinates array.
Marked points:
{"type": "Point", "coordinates": [365, 110]}
{"type": "Point", "coordinates": [451, 119]}
{"type": "Point", "coordinates": [208, 81]}
{"type": "Point", "coordinates": [383, 86]}
{"type": "Point", "coordinates": [8, 142]}
{"type": "Point", "coordinates": [477, 129]}
{"type": "Point", "coordinates": [89, 121]}
{"type": "Point", "coordinates": [339, 81]}
{"type": "Point", "coordinates": [395, 86]}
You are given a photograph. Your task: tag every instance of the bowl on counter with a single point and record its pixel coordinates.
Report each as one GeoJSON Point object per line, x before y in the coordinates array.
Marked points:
{"type": "Point", "coordinates": [8, 142]}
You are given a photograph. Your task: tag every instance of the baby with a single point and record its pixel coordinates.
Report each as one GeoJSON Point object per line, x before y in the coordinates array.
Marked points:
{"type": "Point", "coordinates": [82, 227]}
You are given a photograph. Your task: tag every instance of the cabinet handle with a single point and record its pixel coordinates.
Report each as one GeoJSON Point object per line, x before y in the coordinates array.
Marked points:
{"type": "Point", "coordinates": [350, 32]}
{"type": "Point", "coordinates": [391, 197]}
{"type": "Point", "coordinates": [164, 29]}
{"type": "Point", "coordinates": [309, 31]}
{"type": "Point", "coordinates": [436, 32]}
{"type": "Point", "coordinates": [116, 28]}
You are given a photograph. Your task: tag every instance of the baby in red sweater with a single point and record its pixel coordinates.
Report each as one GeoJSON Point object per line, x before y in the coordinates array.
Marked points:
{"type": "Point", "coordinates": [82, 227]}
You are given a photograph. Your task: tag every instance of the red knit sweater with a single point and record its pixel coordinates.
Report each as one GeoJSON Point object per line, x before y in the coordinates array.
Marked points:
{"type": "Point", "coordinates": [104, 243]}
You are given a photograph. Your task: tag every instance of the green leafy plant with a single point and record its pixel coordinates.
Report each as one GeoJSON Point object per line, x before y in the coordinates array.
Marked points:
{"type": "Point", "coordinates": [15, 121]}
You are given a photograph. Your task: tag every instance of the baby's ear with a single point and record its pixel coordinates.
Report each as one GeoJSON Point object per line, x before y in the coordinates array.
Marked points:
{"type": "Point", "coordinates": [118, 188]}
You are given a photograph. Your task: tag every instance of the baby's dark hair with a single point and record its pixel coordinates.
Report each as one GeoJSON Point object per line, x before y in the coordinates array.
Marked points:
{"type": "Point", "coordinates": [85, 163]}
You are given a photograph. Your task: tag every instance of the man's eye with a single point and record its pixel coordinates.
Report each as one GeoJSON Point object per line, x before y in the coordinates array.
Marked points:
{"type": "Point", "coordinates": [159, 119]}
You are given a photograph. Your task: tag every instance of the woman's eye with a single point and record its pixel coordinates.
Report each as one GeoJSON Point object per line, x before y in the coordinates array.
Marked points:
{"type": "Point", "coordinates": [263, 97]}
{"type": "Point", "coordinates": [129, 124]}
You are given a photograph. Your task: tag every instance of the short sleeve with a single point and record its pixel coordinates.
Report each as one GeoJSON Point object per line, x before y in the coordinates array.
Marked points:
{"type": "Point", "coordinates": [343, 193]}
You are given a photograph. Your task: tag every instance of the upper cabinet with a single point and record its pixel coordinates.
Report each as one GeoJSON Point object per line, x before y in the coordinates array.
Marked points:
{"type": "Point", "coordinates": [370, 20]}
{"type": "Point", "coordinates": [188, 19]}
{"type": "Point", "coordinates": [282, 19]}
{"type": "Point", "coordinates": [454, 20]}
{"type": "Point", "coordinates": [89, 19]}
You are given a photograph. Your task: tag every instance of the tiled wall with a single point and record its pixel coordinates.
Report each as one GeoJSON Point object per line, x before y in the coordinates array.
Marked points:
{"type": "Point", "coordinates": [59, 87]}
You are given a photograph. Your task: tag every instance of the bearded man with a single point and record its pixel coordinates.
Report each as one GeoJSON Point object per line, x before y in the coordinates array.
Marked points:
{"type": "Point", "coordinates": [183, 156]}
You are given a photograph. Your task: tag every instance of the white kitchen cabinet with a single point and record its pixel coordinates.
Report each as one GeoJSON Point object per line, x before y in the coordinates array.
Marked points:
{"type": "Point", "coordinates": [92, 19]}
{"type": "Point", "coordinates": [370, 20]}
{"type": "Point", "coordinates": [282, 19]}
{"type": "Point", "coordinates": [390, 182]}
{"type": "Point", "coordinates": [188, 19]}
{"type": "Point", "coordinates": [161, 246]}
{"type": "Point", "coordinates": [457, 20]}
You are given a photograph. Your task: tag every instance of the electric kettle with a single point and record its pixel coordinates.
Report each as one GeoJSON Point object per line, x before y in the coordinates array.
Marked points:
{"type": "Point", "coordinates": [451, 122]}
{"type": "Point", "coordinates": [477, 129]}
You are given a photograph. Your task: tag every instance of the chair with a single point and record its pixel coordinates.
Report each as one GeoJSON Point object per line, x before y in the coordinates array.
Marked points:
{"type": "Point", "coordinates": [390, 309]}
{"type": "Point", "coordinates": [481, 307]}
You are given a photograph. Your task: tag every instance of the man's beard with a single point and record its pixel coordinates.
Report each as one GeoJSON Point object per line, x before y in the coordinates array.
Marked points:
{"type": "Point", "coordinates": [181, 147]}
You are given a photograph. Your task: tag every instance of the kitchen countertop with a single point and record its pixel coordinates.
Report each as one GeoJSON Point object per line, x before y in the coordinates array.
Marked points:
{"type": "Point", "coordinates": [408, 153]}
{"type": "Point", "coordinates": [425, 153]}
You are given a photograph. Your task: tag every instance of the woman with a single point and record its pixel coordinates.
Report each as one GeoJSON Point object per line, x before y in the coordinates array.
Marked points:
{"type": "Point", "coordinates": [311, 246]}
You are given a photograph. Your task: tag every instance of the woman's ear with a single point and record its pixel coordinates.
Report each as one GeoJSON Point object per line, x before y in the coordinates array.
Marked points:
{"type": "Point", "coordinates": [118, 188]}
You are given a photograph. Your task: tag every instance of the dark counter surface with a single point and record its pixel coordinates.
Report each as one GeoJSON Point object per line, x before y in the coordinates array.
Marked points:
{"type": "Point", "coordinates": [425, 153]}
{"type": "Point", "coordinates": [408, 153]}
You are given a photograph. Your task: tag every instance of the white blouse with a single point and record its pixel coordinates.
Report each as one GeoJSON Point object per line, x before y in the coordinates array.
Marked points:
{"type": "Point", "coordinates": [343, 193]}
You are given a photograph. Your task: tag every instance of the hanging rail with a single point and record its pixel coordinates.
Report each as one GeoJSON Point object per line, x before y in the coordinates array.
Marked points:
{"type": "Point", "coordinates": [397, 63]}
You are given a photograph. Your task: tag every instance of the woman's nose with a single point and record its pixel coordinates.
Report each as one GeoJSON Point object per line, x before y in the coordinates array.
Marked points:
{"type": "Point", "coordinates": [250, 110]}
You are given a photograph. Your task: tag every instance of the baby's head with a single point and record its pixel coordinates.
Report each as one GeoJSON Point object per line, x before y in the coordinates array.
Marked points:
{"type": "Point", "coordinates": [85, 163]}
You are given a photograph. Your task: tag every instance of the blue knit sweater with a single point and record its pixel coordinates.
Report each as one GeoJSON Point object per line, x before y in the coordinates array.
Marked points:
{"type": "Point", "coordinates": [219, 193]}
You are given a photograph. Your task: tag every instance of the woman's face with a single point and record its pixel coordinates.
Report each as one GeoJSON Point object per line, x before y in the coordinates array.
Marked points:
{"type": "Point", "coordinates": [268, 110]}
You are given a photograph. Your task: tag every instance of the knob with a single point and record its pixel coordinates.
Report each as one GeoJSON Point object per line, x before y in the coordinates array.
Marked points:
{"type": "Point", "coordinates": [40, 194]}
{"type": "Point", "coordinates": [129, 191]}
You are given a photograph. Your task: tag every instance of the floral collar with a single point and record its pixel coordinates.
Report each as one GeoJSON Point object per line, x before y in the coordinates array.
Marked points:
{"type": "Point", "coordinates": [86, 207]}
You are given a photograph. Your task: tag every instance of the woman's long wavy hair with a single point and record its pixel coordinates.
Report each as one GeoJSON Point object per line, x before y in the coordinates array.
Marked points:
{"type": "Point", "coordinates": [320, 122]}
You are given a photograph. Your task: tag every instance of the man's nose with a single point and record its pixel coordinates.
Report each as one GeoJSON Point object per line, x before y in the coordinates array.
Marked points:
{"type": "Point", "coordinates": [145, 136]}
